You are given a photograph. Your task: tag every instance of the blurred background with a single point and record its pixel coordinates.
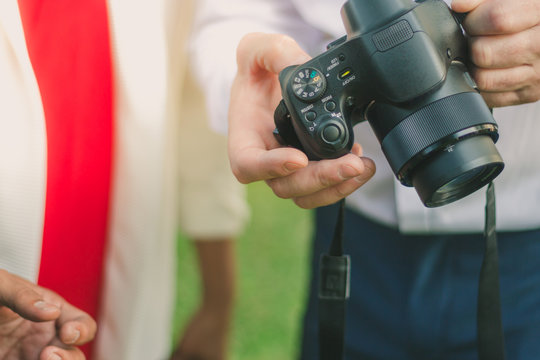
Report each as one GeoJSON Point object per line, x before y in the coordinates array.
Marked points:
{"type": "Point", "coordinates": [272, 257]}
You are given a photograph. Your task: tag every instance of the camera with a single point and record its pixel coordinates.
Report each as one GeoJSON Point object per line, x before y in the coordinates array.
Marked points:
{"type": "Point", "coordinates": [402, 68]}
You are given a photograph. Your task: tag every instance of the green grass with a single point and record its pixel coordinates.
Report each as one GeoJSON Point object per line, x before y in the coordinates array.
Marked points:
{"type": "Point", "coordinates": [272, 257]}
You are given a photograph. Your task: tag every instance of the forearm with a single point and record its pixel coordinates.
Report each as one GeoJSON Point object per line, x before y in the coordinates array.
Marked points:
{"type": "Point", "coordinates": [217, 270]}
{"type": "Point", "coordinates": [206, 335]}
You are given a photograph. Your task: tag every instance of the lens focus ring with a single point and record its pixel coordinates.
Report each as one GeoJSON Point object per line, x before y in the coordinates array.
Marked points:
{"type": "Point", "coordinates": [432, 123]}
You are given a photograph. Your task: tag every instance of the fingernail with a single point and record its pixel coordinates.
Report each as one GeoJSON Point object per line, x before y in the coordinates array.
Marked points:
{"type": "Point", "coordinates": [347, 172]}
{"type": "Point", "coordinates": [292, 166]}
{"type": "Point", "coordinates": [75, 337]}
{"type": "Point", "coordinates": [363, 178]}
{"type": "Point", "coordinates": [42, 305]}
{"type": "Point", "coordinates": [360, 179]}
{"type": "Point", "coordinates": [54, 356]}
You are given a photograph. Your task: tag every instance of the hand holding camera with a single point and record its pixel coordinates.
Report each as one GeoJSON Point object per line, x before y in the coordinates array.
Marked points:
{"type": "Point", "coordinates": [402, 68]}
{"type": "Point", "coordinates": [504, 40]}
{"type": "Point", "coordinates": [255, 155]}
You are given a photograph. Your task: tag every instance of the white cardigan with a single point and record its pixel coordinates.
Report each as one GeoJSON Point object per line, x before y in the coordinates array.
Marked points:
{"type": "Point", "coordinates": [148, 40]}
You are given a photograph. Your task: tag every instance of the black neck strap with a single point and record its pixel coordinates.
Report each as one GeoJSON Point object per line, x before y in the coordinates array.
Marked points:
{"type": "Point", "coordinates": [334, 292]}
{"type": "Point", "coordinates": [333, 295]}
{"type": "Point", "coordinates": [489, 319]}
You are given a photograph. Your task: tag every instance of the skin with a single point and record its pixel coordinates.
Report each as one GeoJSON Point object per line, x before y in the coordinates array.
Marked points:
{"type": "Point", "coordinates": [206, 335]}
{"type": "Point", "coordinates": [36, 323]}
{"type": "Point", "coordinates": [504, 48]}
{"type": "Point", "coordinates": [255, 154]}
{"type": "Point", "coordinates": [504, 40]}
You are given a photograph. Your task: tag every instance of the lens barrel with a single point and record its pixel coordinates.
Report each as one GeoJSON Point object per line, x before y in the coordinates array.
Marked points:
{"type": "Point", "coordinates": [457, 171]}
{"type": "Point", "coordinates": [444, 149]}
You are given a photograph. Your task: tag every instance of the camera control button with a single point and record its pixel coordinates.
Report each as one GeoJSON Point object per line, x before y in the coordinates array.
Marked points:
{"type": "Point", "coordinates": [311, 115]}
{"type": "Point", "coordinates": [330, 106]}
{"type": "Point", "coordinates": [308, 84]}
{"type": "Point", "coordinates": [331, 133]}
{"type": "Point", "coordinates": [345, 73]}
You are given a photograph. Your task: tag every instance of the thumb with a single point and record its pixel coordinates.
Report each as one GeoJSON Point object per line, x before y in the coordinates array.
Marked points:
{"type": "Point", "coordinates": [268, 52]}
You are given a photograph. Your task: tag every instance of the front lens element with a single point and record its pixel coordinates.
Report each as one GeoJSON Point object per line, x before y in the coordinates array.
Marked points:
{"type": "Point", "coordinates": [451, 175]}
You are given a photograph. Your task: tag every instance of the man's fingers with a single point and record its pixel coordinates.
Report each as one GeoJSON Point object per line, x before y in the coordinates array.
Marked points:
{"type": "Point", "coordinates": [268, 52]}
{"type": "Point", "coordinates": [508, 98]}
{"type": "Point", "coordinates": [256, 164]}
{"type": "Point", "coordinates": [504, 51]}
{"type": "Point", "coordinates": [252, 147]}
{"type": "Point", "coordinates": [61, 353]}
{"type": "Point", "coordinates": [75, 326]}
{"type": "Point", "coordinates": [335, 193]}
{"type": "Point", "coordinates": [502, 80]}
{"type": "Point", "coordinates": [321, 175]}
{"type": "Point", "coordinates": [25, 298]}
{"type": "Point", "coordinates": [77, 332]}
{"type": "Point", "coordinates": [495, 17]}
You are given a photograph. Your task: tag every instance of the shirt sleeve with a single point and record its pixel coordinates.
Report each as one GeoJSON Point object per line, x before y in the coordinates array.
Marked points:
{"type": "Point", "coordinates": [218, 28]}
{"type": "Point", "coordinates": [212, 203]}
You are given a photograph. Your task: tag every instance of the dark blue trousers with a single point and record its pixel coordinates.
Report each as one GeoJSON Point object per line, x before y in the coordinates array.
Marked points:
{"type": "Point", "coordinates": [414, 297]}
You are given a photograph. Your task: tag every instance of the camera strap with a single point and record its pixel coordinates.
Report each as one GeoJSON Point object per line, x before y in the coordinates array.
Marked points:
{"type": "Point", "coordinates": [335, 281]}
{"type": "Point", "coordinates": [333, 294]}
{"type": "Point", "coordinates": [489, 318]}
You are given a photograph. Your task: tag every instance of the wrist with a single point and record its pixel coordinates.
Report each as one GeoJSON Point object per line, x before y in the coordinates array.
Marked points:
{"type": "Point", "coordinates": [217, 308]}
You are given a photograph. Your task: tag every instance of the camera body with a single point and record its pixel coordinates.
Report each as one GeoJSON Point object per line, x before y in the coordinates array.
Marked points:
{"type": "Point", "coordinates": [401, 67]}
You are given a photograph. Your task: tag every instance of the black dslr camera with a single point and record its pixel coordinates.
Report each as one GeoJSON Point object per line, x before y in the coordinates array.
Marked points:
{"type": "Point", "coordinates": [401, 67]}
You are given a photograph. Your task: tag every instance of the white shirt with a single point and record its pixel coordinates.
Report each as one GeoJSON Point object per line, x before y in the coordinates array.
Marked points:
{"type": "Point", "coordinates": [314, 23]}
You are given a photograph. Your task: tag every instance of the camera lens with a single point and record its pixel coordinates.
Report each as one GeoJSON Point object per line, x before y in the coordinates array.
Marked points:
{"type": "Point", "coordinates": [445, 149]}
{"type": "Point", "coordinates": [458, 171]}
{"type": "Point", "coordinates": [456, 185]}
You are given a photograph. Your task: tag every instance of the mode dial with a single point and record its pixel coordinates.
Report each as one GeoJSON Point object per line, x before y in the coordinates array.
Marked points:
{"type": "Point", "coordinates": [308, 84]}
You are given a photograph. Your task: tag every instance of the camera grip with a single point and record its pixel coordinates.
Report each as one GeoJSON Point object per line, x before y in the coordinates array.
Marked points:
{"type": "Point", "coordinates": [284, 131]}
